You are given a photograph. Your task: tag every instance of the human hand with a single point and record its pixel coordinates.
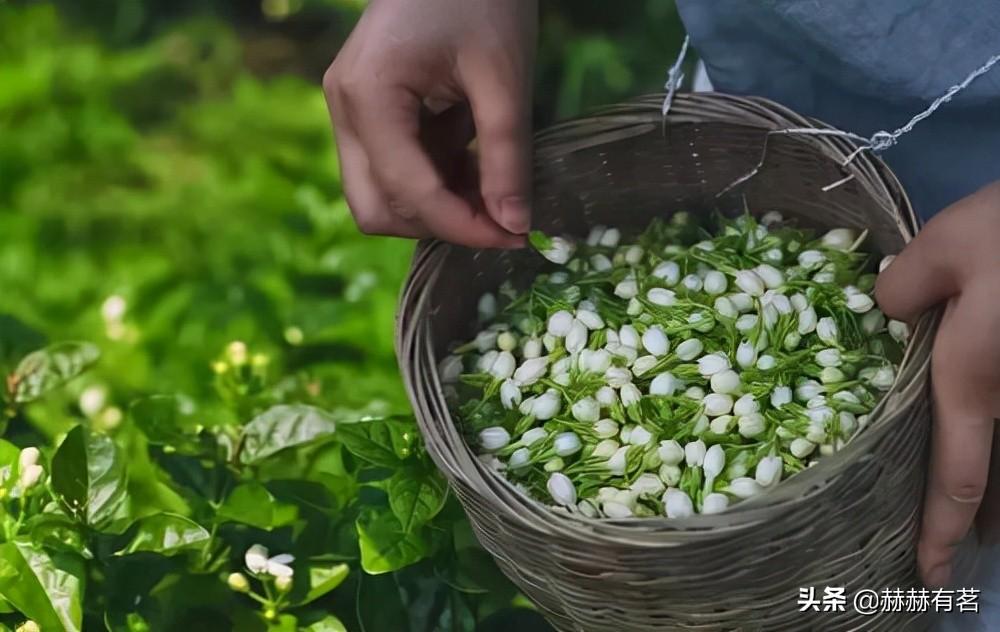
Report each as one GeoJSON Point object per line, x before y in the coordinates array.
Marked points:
{"type": "Point", "coordinates": [955, 260]}
{"type": "Point", "coordinates": [411, 86]}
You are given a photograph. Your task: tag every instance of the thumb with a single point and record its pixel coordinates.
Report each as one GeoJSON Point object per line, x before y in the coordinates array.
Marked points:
{"type": "Point", "coordinates": [501, 109]}
{"type": "Point", "coordinates": [921, 276]}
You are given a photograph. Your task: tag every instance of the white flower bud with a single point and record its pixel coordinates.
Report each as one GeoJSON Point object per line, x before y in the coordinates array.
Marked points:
{"type": "Point", "coordinates": [668, 271]}
{"type": "Point", "coordinates": [827, 330]}
{"type": "Point", "coordinates": [633, 255]}
{"type": "Point", "coordinates": [647, 484]}
{"type": "Point", "coordinates": [701, 425]}
{"type": "Point", "coordinates": [605, 449]}
{"type": "Point", "coordinates": [717, 404]}
{"type": "Point", "coordinates": [781, 303]}
{"type": "Point", "coordinates": [610, 238]}
{"type": "Point", "coordinates": [28, 457]}
{"type": "Point", "coordinates": [630, 395]}
{"type": "Point", "coordinates": [590, 319]}
{"type": "Point", "coordinates": [606, 396]}
{"type": "Point", "coordinates": [576, 339]}
{"type": "Point", "coordinates": [617, 377]}
{"type": "Point", "coordinates": [840, 239]}
{"type": "Point", "coordinates": [566, 444]}
{"type": "Point", "coordinates": [831, 375]}
{"type": "Point", "coordinates": [696, 393]}
{"type": "Point", "coordinates": [780, 396]}
{"type": "Point", "coordinates": [526, 405]}
{"type": "Point", "coordinates": [30, 475]}
{"type": "Point", "coordinates": [595, 234]}
{"type": "Point", "coordinates": [670, 474]}
{"type": "Point", "coordinates": [550, 342]}
{"type": "Point", "coordinates": [486, 340]}
{"type": "Point", "coordinates": [768, 471]}
{"type": "Point", "coordinates": [745, 405]}
{"type": "Point", "coordinates": [494, 438]}
{"type": "Point", "coordinates": [561, 489]}
{"type": "Point", "coordinates": [237, 582]}
{"type": "Point", "coordinates": [616, 511]}
{"type": "Point", "coordinates": [715, 462]}
{"type": "Point", "coordinates": [807, 321]}
{"type": "Point", "coordinates": [829, 357]}
{"type": "Point", "coordinates": [504, 365]}
{"type": "Point", "coordinates": [750, 282]}
{"type": "Point", "coordinates": [662, 297]}
{"type": "Point", "coordinates": [485, 361]}
{"type": "Point", "coordinates": [559, 251]}
{"type": "Point", "coordinates": [899, 331]}
{"type": "Point", "coordinates": [519, 459]}
{"type": "Point", "coordinates": [824, 277]}
{"type": "Point", "coordinates": [664, 384]}
{"type": "Point", "coordinates": [721, 425]}
{"type": "Point", "coordinates": [256, 559]}
{"type": "Point", "coordinates": [507, 341]}
{"type": "Point", "coordinates": [588, 508]}
{"type": "Point", "coordinates": [640, 436]}
{"type": "Point", "coordinates": [807, 390]}
{"type": "Point", "coordinates": [771, 276]}
{"type": "Point", "coordinates": [510, 394]}
{"type": "Point", "coordinates": [670, 452]}
{"type": "Point", "coordinates": [694, 453]}
{"type": "Point", "coordinates": [605, 428]}
{"type": "Point", "coordinates": [724, 307]}
{"type": "Point", "coordinates": [692, 283]}
{"type": "Point", "coordinates": [873, 322]}
{"type": "Point", "coordinates": [727, 382]}
{"type": "Point", "coordinates": [744, 487]}
{"type": "Point", "coordinates": [558, 278]}
{"type": "Point", "coordinates": [644, 364]}
{"type": "Point", "coordinates": [617, 462]}
{"type": "Point", "coordinates": [848, 423]}
{"type": "Point", "coordinates": [706, 245]}
{"type": "Point", "coordinates": [860, 303]}
{"type": "Point", "coordinates": [600, 263]}
{"type": "Point", "coordinates": [714, 503]}
{"type": "Point", "coordinates": [689, 349]}
{"type": "Point", "coordinates": [741, 301]}
{"type": "Point", "coordinates": [546, 405]}
{"type": "Point", "coordinates": [597, 361]}
{"type": "Point", "coordinates": [746, 354]}
{"type": "Point", "coordinates": [586, 410]}
{"type": "Point", "coordinates": [712, 363]}
{"type": "Point", "coordinates": [629, 336]}
{"type": "Point", "coordinates": [715, 283]}
{"type": "Point", "coordinates": [627, 289]}
{"type": "Point", "coordinates": [531, 371]}
{"type": "Point", "coordinates": [560, 323]}
{"type": "Point", "coordinates": [771, 218]}
{"type": "Point", "coordinates": [766, 362]}
{"type": "Point", "coordinates": [802, 448]}
{"type": "Point", "coordinates": [751, 425]}
{"type": "Point", "coordinates": [677, 504]}
{"type": "Point", "coordinates": [770, 316]}
{"type": "Point", "coordinates": [746, 322]}
{"type": "Point", "coordinates": [811, 260]}
{"type": "Point", "coordinates": [883, 379]}
{"type": "Point", "coordinates": [655, 341]}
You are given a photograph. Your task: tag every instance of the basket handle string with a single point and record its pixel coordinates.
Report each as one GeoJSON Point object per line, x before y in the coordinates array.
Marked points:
{"type": "Point", "coordinates": [877, 142]}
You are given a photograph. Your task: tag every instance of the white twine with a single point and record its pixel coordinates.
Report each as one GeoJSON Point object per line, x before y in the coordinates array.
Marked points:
{"type": "Point", "coordinates": [674, 77]}
{"type": "Point", "coordinates": [879, 141]}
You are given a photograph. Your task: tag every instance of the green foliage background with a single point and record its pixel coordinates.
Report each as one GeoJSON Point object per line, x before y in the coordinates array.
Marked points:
{"type": "Point", "coordinates": [178, 157]}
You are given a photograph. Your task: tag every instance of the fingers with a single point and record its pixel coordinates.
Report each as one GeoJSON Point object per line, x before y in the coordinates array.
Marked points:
{"type": "Point", "coordinates": [919, 277]}
{"type": "Point", "coordinates": [500, 100]}
{"type": "Point", "coordinates": [988, 519]}
{"type": "Point", "coordinates": [962, 439]}
{"type": "Point", "coordinates": [388, 128]}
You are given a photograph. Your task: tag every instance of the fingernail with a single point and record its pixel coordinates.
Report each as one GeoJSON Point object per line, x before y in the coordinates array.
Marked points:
{"type": "Point", "coordinates": [515, 216]}
{"type": "Point", "coordinates": [938, 576]}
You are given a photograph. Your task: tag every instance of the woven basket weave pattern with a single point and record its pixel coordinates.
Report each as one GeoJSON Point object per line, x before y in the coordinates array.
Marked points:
{"type": "Point", "coordinates": [850, 521]}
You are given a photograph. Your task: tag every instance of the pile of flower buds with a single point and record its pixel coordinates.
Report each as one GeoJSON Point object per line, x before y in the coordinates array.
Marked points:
{"type": "Point", "coordinates": [678, 373]}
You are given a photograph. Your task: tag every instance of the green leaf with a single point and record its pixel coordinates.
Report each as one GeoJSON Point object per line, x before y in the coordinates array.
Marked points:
{"type": "Point", "coordinates": [8, 453]}
{"type": "Point", "coordinates": [252, 504]}
{"type": "Point", "coordinates": [160, 419]}
{"type": "Point", "coordinates": [88, 476]}
{"type": "Point", "coordinates": [283, 427]}
{"type": "Point", "coordinates": [380, 605]}
{"type": "Point", "coordinates": [385, 546]}
{"type": "Point", "coordinates": [49, 368]}
{"type": "Point", "coordinates": [415, 497]}
{"type": "Point", "coordinates": [40, 587]}
{"type": "Point", "coordinates": [16, 340]}
{"type": "Point", "coordinates": [539, 240]}
{"type": "Point", "coordinates": [329, 623]}
{"type": "Point", "coordinates": [166, 534]}
{"type": "Point", "coordinates": [284, 623]}
{"type": "Point", "coordinates": [383, 441]}
{"type": "Point", "coordinates": [323, 578]}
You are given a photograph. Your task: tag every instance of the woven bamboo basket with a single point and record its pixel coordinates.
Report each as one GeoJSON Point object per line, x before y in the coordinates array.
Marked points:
{"type": "Point", "coordinates": [849, 522]}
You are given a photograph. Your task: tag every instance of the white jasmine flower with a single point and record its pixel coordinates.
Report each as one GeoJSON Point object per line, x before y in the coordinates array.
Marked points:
{"type": "Point", "coordinates": [504, 365]}
{"type": "Point", "coordinates": [655, 341]}
{"type": "Point", "coordinates": [617, 377]}
{"type": "Point", "coordinates": [566, 444]}
{"type": "Point", "coordinates": [606, 396]}
{"type": "Point", "coordinates": [600, 263]}
{"type": "Point", "coordinates": [677, 504]}
{"type": "Point", "coordinates": [526, 406]}
{"type": "Point", "coordinates": [485, 361]}
{"type": "Point", "coordinates": [744, 487]}
{"type": "Point", "coordinates": [605, 428]}
{"type": "Point", "coordinates": [617, 462]}
{"type": "Point", "coordinates": [724, 307]}
{"type": "Point", "coordinates": [507, 341]}
{"type": "Point", "coordinates": [668, 271]}
{"type": "Point", "coordinates": [559, 250]}
{"type": "Point", "coordinates": [746, 322]}
{"type": "Point", "coordinates": [715, 283]}
{"type": "Point", "coordinates": [595, 361]}
{"type": "Point", "coordinates": [616, 511]}
{"type": "Point", "coordinates": [727, 382]}
{"type": "Point", "coordinates": [827, 330]}
{"type": "Point", "coordinates": [644, 364]}
{"type": "Point", "coordinates": [860, 303]}
{"type": "Point", "coordinates": [627, 289]}
{"type": "Point", "coordinates": [630, 395]}
{"type": "Point", "coordinates": [662, 297]}
{"type": "Point", "coordinates": [546, 405]}
{"type": "Point", "coordinates": [689, 349]}
{"type": "Point", "coordinates": [768, 471]}
{"type": "Point", "coordinates": [771, 276]}
{"type": "Point", "coordinates": [510, 394]}
{"type": "Point", "coordinates": [664, 384]}
{"type": "Point", "coordinates": [807, 390]}
{"type": "Point", "coordinates": [741, 301]}
{"type": "Point", "coordinates": [745, 405]}
{"type": "Point", "coordinates": [486, 340]}
{"type": "Point", "coordinates": [670, 475]}
{"type": "Point", "coordinates": [605, 449]}
{"type": "Point", "coordinates": [639, 436]}
{"type": "Point", "coordinates": [520, 458]}
{"type": "Point", "coordinates": [586, 409]}
{"type": "Point", "coordinates": [750, 282]}
{"type": "Point", "coordinates": [27, 457]}
{"type": "Point", "coordinates": [494, 438]}
{"type": "Point", "coordinates": [722, 424]}
{"type": "Point", "coordinates": [829, 357]}
{"type": "Point", "coordinates": [807, 321]}
{"type": "Point", "coordinates": [714, 503]}
{"type": "Point", "coordinates": [840, 239]}
{"type": "Point", "coordinates": [561, 489]}
{"type": "Point", "coordinates": [766, 362]}
{"type": "Point", "coordinates": [30, 475]}
{"type": "Point", "coordinates": [873, 322]}
{"type": "Point", "coordinates": [883, 378]}
{"type": "Point", "coordinates": [780, 396]}
{"type": "Point", "coordinates": [550, 342]}
{"type": "Point", "coordinates": [712, 363]}
{"type": "Point", "coordinates": [715, 462]}
{"type": "Point", "coordinates": [610, 238]}
{"type": "Point", "coordinates": [717, 404]}
{"type": "Point", "coordinates": [899, 331]}
{"type": "Point", "coordinates": [773, 255]}
{"type": "Point", "coordinates": [531, 371]}
{"type": "Point", "coordinates": [746, 354]}
{"type": "Point", "coordinates": [751, 425]}
{"type": "Point", "coordinates": [670, 452]}
{"type": "Point", "coordinates": [590, 319]}
{"type": "Point", "coordinates": [848, 423]}
{"type": "Point", "coordinates": [811, 259]}
{"type": "Point", "coordinates": [647, 484]}
{"type": "Point", "coordinates": [802, 448]}
{"type": "Point", "coordinates": [560, 323]}
{"type": "Point", "coordinates": [629, 336]}
{"type": "Point", "coordinates": [696, 393]}
{"type": "Point", "coordinates": [576, 339]}
{"type": "Point", "coordinates": [692, 283]}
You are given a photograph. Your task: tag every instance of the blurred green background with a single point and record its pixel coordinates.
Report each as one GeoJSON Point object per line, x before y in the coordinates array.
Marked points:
{"type": "Point", "coordinates": [168, 184]}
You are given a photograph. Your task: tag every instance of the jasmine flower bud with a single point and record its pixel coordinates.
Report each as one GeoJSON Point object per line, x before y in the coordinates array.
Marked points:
{"type": "Point", "coordinates": [712, 363]}
{"type": "Point", "coordinates": [746, 322]}
{"type": "Point", "coordinates": [630, 395]}
{"type": "Point", "coordinates": [848, 423]}
{"type": "Point", "coordinates": [238, 582]}
{"type": "Point", "coordinates": [744, 487]}
{"type": "Point", "coordinates": [561, 489]}
{"type": "Point", "coordinates": [560, 323]}
{"type": "Point", "coordinates": [605, 428]}
{"type": "Point", "coordinates": [745, 405]}
{"type": "Point", "coordinates": [899, 331]}
{"type": "Point", "coordinates": [670, 452]}
{"type": "Point", "coordinates": [519, 459]}
{"type": "Point", "coordinates": [449, 369]}
{"type": "Point", "coordinates": [600, 263]}
{"type": "Point", "coordinates": [873, 322]}
{"type": "Point", "coordinates": [883, 378]}
{"type": "Point", "coordinates": [655, 341]}
{"type": "Point", "coordinates": [727, 382]}
{"type": "Point", "coordinates": [561, 366]}
{"type": "Point", "coordinates": [715, 283]}
{"type": "Point", "coordinates": [554, 464]}
{"type": "Point", "coordinates": [768, 471]}
{"type": "Point", "coordinates": [828, 357]}
{"type": "Point", "coordinates": [662, 297]}
{"type": "Point", "coordinates": [741, 301]}
{"type": "Point", "coordinates": [30, 476]}
{"type": "Point", "coordinates": [773, 255]}
{"type": "Point", "coordinates": [715, 462]}
{"type": "Point", "coordinates": [668, 271]}
{"type": "Point", "coordinates": [639, 436]}
{"type": "Point", "coordinates": [526, 406]}
{"type": "Point", "coordinates": [696, 393]}
{"type": "Point", "coordinates": [702, 321]}
{"type": "Point", "coordinates": [597, 361]}
{"type": "Point", "coordinates": [799, 301]}
{"type": "Point", "coordinates": [766, 362]}
{"type": "Point", "coordinates": [714, 503]}
{"type": "Point", "coordinates": [677, 504]}
{"type": "Point", "coordinates": [746, 354]}
{"type": "Point", "coordinates": [771, 218]}
{"type": "Point", "coordinates": [801, 448]}
{"type": "Point", "coordinates": [840, 239]}
{"type": "Point", "coordinates": [485, 361]}
{"type": "Point", "coordinates": [705, 245]}
{"type": "Point", "coordinates": [507, 341]}
{"type": "Point", "coordinates": [616, 511]}
{"type": "Point", "coordinates": [504, 365]}
{"type": "Point", "coordinates": [606, 396]}
{"type": "Point", "coordinates": [494, 438]}
{"type": "Point", "coordinates": [694, 453]}
{"type": "Point", "coordinates": [860, 303]}
{"type": "Point", "coordinates": [546, 405]}
{"type": "Point", "coordinates": [807, 320]}
{"type": "Point", "coordinates": [550, 342]}
{"type": "Point", "coordinates": [617, 462]}
{"type": "Point", "coordinates": [629, 336]}
{"type": "Point", "coordinates": [633, 256]}
{"type": "Point", "coordinates": [780, 396]}
{"type": "Point", "coordinates": [771, 276]}
{"type": "Point", "coordinates": [692, 283]}
{"type": "Point", "coordinates": [689, 349]}
{"type": "Point", "coordinates": [531, 371]}
{"type": "Point", "coordinates": [610, 238]}
{"type": "Point", "coordinates": [647, 485]}
{"type": "Point", "coordinates": [664, 384]}
{"type": "Point", "coordinates": [811, 259]}
{"type": "Point", "coordinates": [724, 307]}
{"type": "Point", "coordinates": [566, 444]}
{"type": "Point", "coordinates": [605, 449]}
{"type": "Point", "coordinates": [510, 394]}
{"type": "Point", "coordinates": [627, 289]}
{"type": "Point", "coordinates": [750, 282]}
{"type": "Point", "coordinates": [721, 425]}
{"type": "Point", "coordinates": [486, 340]}
{"type": "Point", "coordinates": [670, 475]}
{"type": "Point", "coordinates": [717, 404]}
{"type": "Point", "coordinates": [617, 377]}
{"type": "Point", "coordinates": [831, 375]}
{"type": "Point", "coordinates": [751, 425]}
{"type": "Point", "coordinates": [827, 330]}
{"type": "Point", "coordinates": [586, 409]}
{"type": "Point", "coordinates": [590, 319]}
{"type": "Point", "coordinates": [807, 390]}
{"type": "Point", "coordinates": [27, 457]}
{"type": "Point", "coordinates": [644, 364]}
{"type": "Point", "coordinates": [824, 277]}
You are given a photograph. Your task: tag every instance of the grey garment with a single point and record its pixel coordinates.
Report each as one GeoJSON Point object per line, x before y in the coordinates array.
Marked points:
{"type": "Point", "coordinates": [865, 66]}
